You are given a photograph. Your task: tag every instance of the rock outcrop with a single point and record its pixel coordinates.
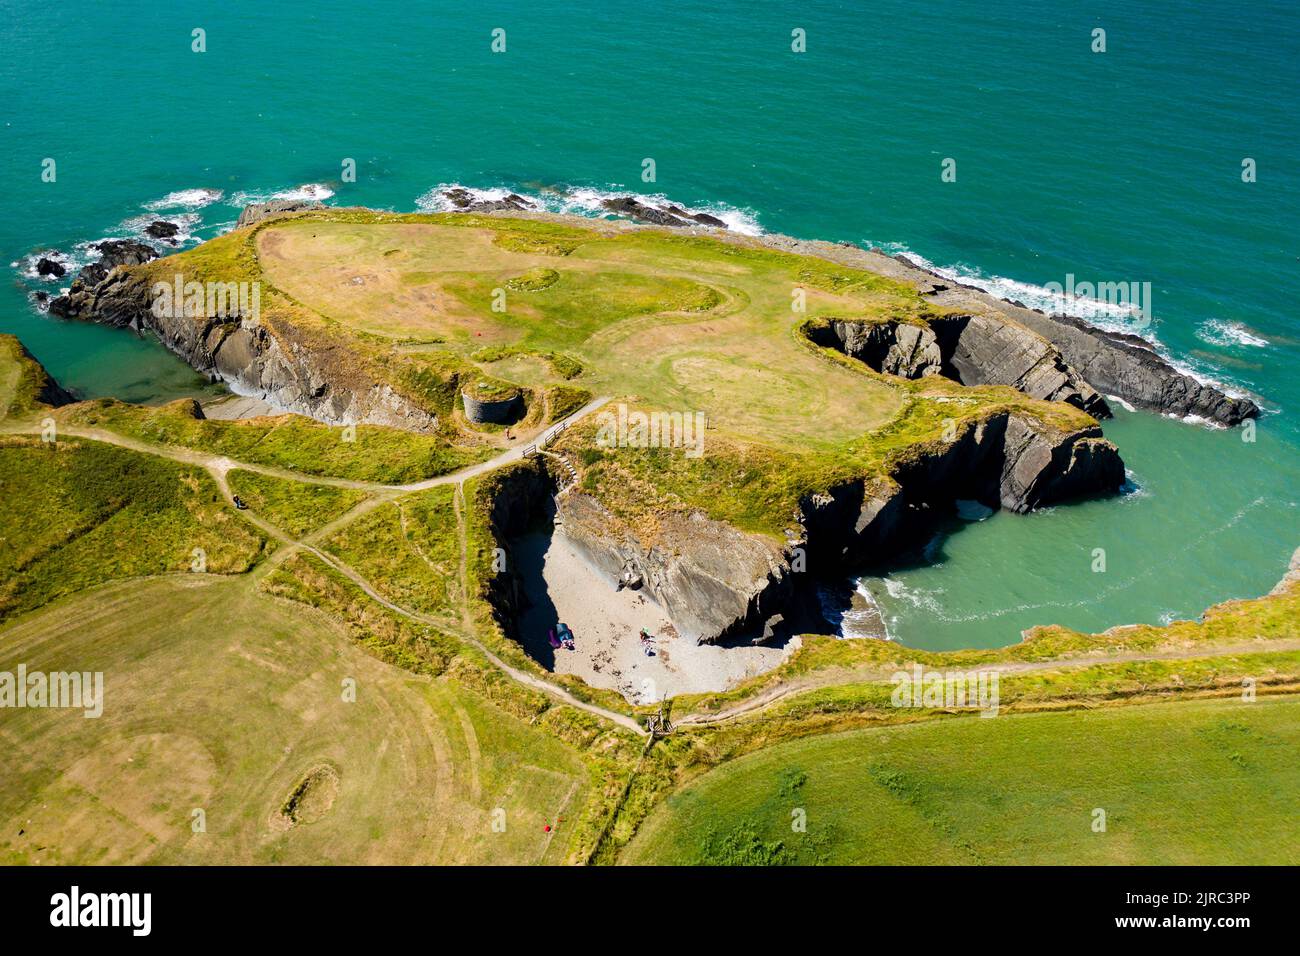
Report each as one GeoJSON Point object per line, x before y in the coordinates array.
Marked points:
{"type": "Point", "coordinates": [49, 267]}
{"type": "Point", "coordinates": [462, 200]}
{"type": "Point", "coordinates": [1126, 366]}
{"type": "Point", "coordinates": [716, 582]}
{"type": "Point", "coordinates": [1291, 578]}
{"type": "Point", "coordinates": [971, 349]}
{"type": "Point", "coordinates": [896, 348]}
{"type": "Point", "coordinates": [669, 215]}
{"type": "Point", "coordinates": [35, 384]}
{"type": "Point", "coordinates": [1129, 367]}
{"type": "Point", "coordinates": [286, 368]}
{"type": "Point", "coordinates": [162, 229]}
{"type": "Point", "coordinates": [256, 212]}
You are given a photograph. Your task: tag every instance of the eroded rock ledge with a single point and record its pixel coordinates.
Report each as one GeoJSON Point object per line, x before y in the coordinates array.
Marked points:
{"type": "Point", "coordinates": [1126, 366]}
{"type": "Point", "coordinates": [717, 582]}
{"type": "Point", "coordinates": [971, 349]}
{"type": "Point", "coordinates": [285, 366]}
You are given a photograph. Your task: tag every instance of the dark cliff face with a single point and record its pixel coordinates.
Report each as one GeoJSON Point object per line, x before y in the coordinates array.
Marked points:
{"type": "Point", "coordinates": [1007, 461]}
{"type": "Point", "coordinates": [281, 366]}
{"type": "Point", "coordinates": [971, 349]}
{"type": "Point", "coordinates": [1127, 366]}
{"type": "Point", "coordinates": [716, 582]}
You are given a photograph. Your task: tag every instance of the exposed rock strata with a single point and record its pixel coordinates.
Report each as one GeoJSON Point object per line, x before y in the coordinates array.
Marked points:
{"type": "Point", "coordinates": [256, 212]}
{"type": "Point", "coordinates": [973, 350]}
{"type": "Point", "coordinates": [716, 582]}
{"type": "Point", "coordinates": [283, 366]}
{"type": "Point", "coordinates": [1126, 366]}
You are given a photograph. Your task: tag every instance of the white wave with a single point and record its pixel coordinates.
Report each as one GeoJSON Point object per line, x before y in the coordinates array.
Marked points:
{"type": "Point", "coordinates": [1219, 332]}
{"type": "Point", "coordinates": [188, 223]}
{"type": "Point", "coordinates": [588, 201]}
{"type": "Point", "coordinates": [856, 613]}
{"type": "Point", "coordinates": [26, 266]}
{"type": "Point", "coordinates": [1113, 317]}
{"type": "Point", "coordinates": [925, 600]}
{"type": "Point", "coordinates": [1132, 489]}
{"type": "Point", "coordinates": [1121, 403]}
{"type": "Point", "coordinates": [186, 199]}
{"type": "Point", "coordinates": [316, 191]}
{"type": "Point", "coordinates": [1195, 420]}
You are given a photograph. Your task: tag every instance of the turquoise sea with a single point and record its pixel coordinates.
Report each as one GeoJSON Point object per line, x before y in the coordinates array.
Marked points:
{"type": "Point", "coordinates": [1116, 166]}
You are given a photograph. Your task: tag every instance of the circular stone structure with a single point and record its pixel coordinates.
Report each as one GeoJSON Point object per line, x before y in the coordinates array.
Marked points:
{"type": "Point", "coordinates": [493, 411]}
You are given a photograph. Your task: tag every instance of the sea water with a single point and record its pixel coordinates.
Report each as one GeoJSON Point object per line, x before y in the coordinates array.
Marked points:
{"type": "Point", "coordinates": [1122, 166]}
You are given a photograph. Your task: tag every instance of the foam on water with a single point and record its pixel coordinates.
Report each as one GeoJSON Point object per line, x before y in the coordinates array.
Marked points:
{"type": "Point", "coordinates": [307, 191]}
{"type": "Point", "coordinates": [1228, 334]}
{"type": "Point", "coordinates": [1122, 319]}
{"type": "Point", "coordinates": [588, 201]}
{"type": "Point", "coordinates": [186, 199]}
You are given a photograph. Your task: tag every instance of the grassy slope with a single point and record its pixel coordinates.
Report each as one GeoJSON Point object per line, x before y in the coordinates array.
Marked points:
{"type": "Point", "coordinates": [1194, 782]}
{"type": "Point", "coordinates": [222, 699]}
{"type": "Point", "coordinates": [82, 513]}
{"type": "Point", "coordinates": [292, 442]}
{"type": "Point", "coordinates": [293, 506]}
{"type": "Point", "coordinates": [408, 548]}
{"type": "Point", "coordinates": [22, 380]}
{"type": "Point", "coordinates": [679, 323]}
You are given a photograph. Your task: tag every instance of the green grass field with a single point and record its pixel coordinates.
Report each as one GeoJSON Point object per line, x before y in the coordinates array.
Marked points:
{"type": "Point", "coordinates": [409, 549]}
{"type": "Point", "coordinates": [1199, 782]}
{"type": "Point", "coordinates": [291, 442]}
{"type": "Point", "coordinates": [293, 506]}
{"type": "Point", "coordinates": [82, 513]}
{"type": "Point", "coordinates": [222, 699]}
{"type": "Point", "coordinates": [678, 323]}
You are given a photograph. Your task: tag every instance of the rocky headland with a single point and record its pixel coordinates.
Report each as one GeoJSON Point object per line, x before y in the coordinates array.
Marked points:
{"type": "Point", "coordinates": [715, 581]}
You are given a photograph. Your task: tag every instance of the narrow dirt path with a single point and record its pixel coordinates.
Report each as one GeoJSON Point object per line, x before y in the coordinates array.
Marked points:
{"type": "Point", "coordinates": [219, 466]}
{"type": "Point", "coordinates": [223, 464]}
{"type": "Point", "coordinates": [774, 694]}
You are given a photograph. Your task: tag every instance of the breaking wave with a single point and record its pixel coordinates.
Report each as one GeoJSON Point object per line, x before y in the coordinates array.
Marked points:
{"type": "Point", "coordinates": [588, 201]}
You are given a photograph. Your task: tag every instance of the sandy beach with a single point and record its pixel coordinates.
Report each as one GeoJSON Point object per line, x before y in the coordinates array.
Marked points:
{"type": "Point", "coordinates": [606, 623]}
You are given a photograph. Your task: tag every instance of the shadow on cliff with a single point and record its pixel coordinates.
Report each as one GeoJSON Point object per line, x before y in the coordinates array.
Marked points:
{"type": "Point", "coordinates": [538, 613]}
